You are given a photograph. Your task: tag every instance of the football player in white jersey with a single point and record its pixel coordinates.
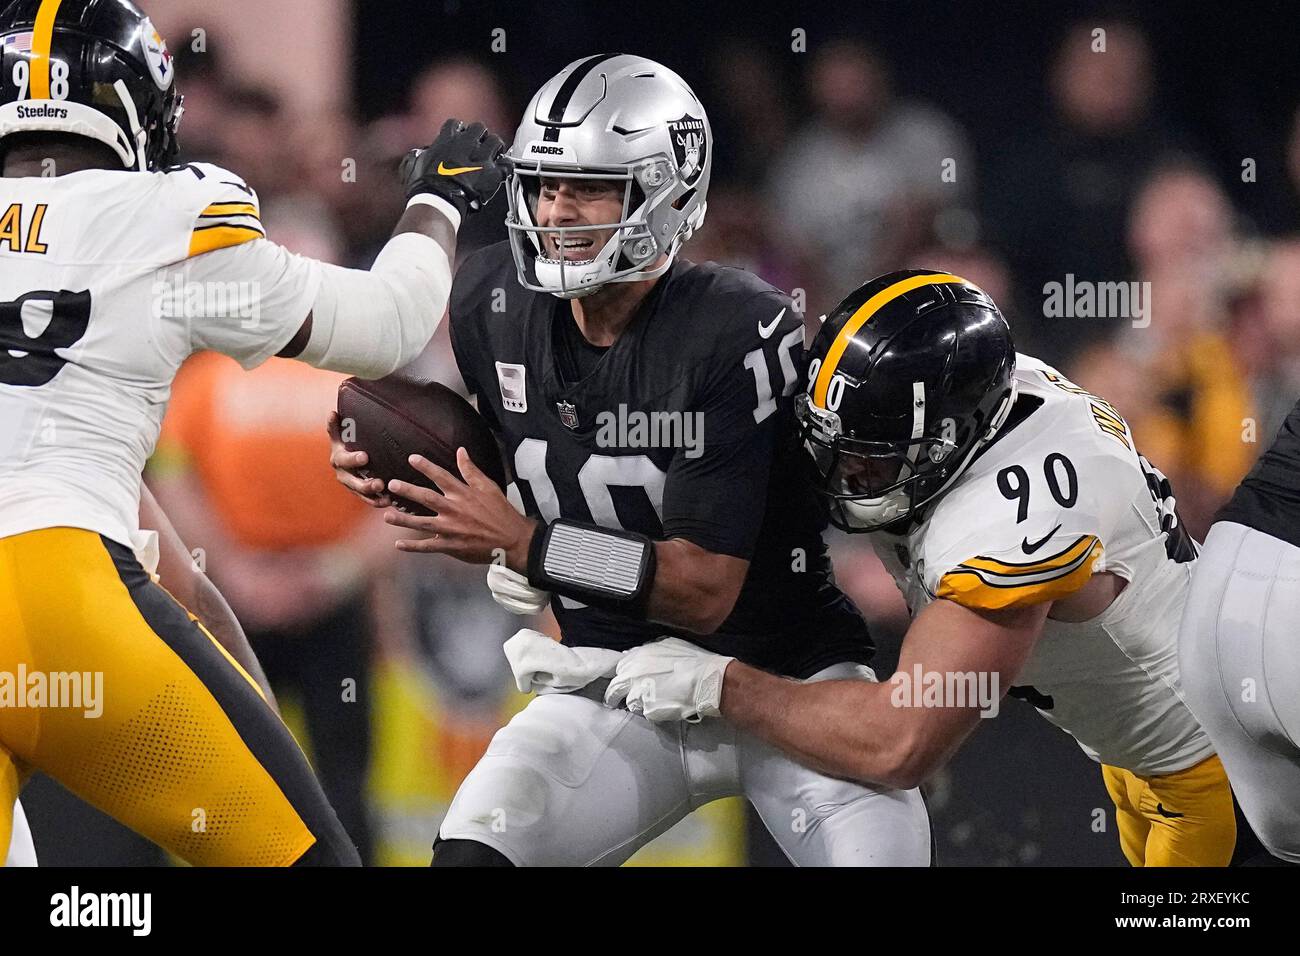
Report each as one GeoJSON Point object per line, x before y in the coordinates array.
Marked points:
{"type": "Point", "coordinates": [1038, 552]}
{"type": "Point", "coordinates": [114, 268]}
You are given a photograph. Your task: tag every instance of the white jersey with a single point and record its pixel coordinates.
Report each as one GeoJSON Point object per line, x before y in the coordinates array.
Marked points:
{"type": "Point", "coordinates": [108, 282]}
{"type": "Point", "coordinates": [1059, 496]}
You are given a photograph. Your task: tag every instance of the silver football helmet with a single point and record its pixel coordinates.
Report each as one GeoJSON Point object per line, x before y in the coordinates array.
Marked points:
{"type": "Point", "coordinates": [612, 117]}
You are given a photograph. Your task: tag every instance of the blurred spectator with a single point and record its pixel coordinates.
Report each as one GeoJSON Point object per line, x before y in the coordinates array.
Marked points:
{"type": "Point", "coordinates": [1278, 383]}
{"type": "Point", "coordinates": [1181, 218]}
{"type": "Point", "coordinates": [1293, 158]}
{"type": "Point", "coordinates": [1177, 375]}
{"type": "Point", "coordinates": [857, 188]}
{"type": "Point", "coordinates": [342, 166]}
{"type": "Point", "coordinates": [1059, 199]}
{"type": "Point", "coordinates": [253, 143]}
{"type": "Point", "coordinates": [736, 233]}
{"type": "Point", "coordinates": [202, 82]}
{"type": "Point", "coordinates": [462, 88]}
{"type": "Point", "coordinates": [467, 90]}
{"type": "Point", "coordinates": [749, 110]}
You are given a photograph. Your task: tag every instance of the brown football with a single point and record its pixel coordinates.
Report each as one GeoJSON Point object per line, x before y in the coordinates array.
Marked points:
{"type": "Point", "coordinates": [391, 419]}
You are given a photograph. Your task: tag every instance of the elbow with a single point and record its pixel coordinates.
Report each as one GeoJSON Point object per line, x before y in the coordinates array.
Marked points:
{"type": "Point", "coordinates": [906, 768]}
{"type": "Point", "coordinates": [904, 763]}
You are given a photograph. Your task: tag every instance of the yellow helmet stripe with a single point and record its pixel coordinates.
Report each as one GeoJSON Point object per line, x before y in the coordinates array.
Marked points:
{"type": "Point", "coordinates": [42, 40]}
{"type": "Point", "coordinates": [862, 317]}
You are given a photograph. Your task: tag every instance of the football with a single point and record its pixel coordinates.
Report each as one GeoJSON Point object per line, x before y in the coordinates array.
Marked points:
{"type": "Point", "coordinates": [392, 418]}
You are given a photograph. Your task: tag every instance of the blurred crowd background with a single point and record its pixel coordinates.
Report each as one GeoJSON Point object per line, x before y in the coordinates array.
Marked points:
{"type": "Point", "coordinates": [1017, 144]}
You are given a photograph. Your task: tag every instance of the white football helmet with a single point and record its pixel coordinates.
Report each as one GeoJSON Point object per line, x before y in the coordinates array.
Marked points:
{"type": "Point", "coordinates": [614, 117]}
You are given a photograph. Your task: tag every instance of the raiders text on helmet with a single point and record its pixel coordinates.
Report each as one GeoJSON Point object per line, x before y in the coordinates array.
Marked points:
{"type": "Point", "coordinates": [94, 68]}
{"type": "Point", "coordinates": [909, 377]}
{"type": "Point", "coordinates": [621, 118]}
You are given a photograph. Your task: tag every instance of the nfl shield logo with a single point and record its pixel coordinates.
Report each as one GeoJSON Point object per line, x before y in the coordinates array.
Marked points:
{"type": "Point", "coordinates": [568, 414]}
{"type": "Point", "coordinates": [690, 146]}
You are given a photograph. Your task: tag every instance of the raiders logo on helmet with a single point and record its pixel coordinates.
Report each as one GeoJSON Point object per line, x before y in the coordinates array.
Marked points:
{"type": "Point", "coordinates": [690, 146]}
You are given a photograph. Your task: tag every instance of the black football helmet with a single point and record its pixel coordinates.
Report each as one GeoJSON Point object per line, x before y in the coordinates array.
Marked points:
{"type": "Point", "coordinates": [908, 378]}
{"type": "Point", "coordinates": [94, 68]}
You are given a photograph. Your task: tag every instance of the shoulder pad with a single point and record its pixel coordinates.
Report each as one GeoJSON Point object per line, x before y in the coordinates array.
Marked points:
{"type": "Point", "coordinates": [223, 209]}
{"type": "Point", "coordinates": [1012, 536]}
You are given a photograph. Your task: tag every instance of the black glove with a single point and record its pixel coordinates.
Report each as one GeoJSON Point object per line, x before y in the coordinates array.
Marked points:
{"type": "Point", "coordinates": [461, 166]}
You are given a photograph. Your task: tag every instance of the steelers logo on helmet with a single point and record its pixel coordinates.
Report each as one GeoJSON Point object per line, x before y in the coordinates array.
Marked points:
{"type": "Point", "coordinates": [690, 146]}
{"type": "Point", "coordinates": [156, 54]}
{"type": "Point", "coordinates": [104, 69]}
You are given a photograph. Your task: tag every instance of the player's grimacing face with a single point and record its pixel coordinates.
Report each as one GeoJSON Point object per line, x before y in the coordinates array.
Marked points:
{"type": "Point", "coordinates": [855, 475]}
{"type": "Point", "coordinates": [578, 202]}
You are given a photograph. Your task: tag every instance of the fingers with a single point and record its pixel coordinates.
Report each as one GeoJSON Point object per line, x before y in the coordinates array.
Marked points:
{"type": "Point", "coordinates": [617, 691]}
{"type": "Point", "coordinates": [440, 476]}
{"type": "Point", "coordinates": [404, 519]}
{"type": "Point", "coordinates": [473, 476]}
{"type": "Point", "coordinates": [429, 498]}
{"type": "Point", "coordinates": [422, 546]}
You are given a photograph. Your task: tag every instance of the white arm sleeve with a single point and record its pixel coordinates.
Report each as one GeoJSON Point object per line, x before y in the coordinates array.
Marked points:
{"type": "Point", "coordinates": [372, 323]}
{"type": "Point", "coordinates": [246, 301]}
{"type": "Point", "coordinates": [250, 300]}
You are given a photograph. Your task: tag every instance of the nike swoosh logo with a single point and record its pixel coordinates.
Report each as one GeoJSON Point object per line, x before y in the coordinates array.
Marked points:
{"type": "Point", "coordinates": [457, 170]}
{"type": "Point", "coordinates": [1160, 809]}
{"type": "Point", "coordinates": [1031, 548]}
{"type": "Point", "coordinates": [766, 330]}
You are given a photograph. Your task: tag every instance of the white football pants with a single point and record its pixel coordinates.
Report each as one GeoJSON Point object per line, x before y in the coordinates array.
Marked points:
{"type": "Point", "coordinates": [22, 851]}
{"type": "Point", "coordinates": [1239, 654]}
{"type": "Point", "coordinates": [570, 782]}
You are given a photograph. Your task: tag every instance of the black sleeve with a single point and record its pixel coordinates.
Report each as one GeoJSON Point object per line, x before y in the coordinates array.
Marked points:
{"type": "Point", "coordinates": [715, 495]}
{"type": "Point", "coordinates": [464, 330]}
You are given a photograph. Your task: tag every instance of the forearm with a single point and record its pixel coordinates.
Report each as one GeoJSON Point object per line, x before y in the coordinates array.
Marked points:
{"type": "Point", "coordinates": [892, 733]}
{"type": "Point", "coordinates": [693, 589]}
{"type": "Point", "coordinates": [372, 323]}
{"type": "Point", "coordinates": [844, 728]}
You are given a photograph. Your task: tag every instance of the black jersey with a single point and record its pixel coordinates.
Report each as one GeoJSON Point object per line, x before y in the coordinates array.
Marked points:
{"type": "Point", "coordinates": [1268, 499]}
{"type": "Point", "coordinates": [682, 429]}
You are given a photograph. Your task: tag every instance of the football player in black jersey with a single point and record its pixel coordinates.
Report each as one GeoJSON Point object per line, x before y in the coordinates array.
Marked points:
{"type": "Point", "coordinates": [1238, 647]}
{"type": "Point", "coordinates": [645, 406]}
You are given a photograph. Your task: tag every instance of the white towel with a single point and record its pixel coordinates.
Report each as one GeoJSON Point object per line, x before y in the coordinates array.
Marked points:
{"type": "Point", "coordinates": [543, 665]}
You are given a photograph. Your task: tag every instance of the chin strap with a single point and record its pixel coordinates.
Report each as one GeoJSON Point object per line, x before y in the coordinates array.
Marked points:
{"type": "Point", "coordinates": [138, 133]}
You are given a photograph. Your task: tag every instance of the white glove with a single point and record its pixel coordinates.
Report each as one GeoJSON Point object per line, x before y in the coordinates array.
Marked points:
{"type": "Point", "coordinates": [512, 591]}
{"type": "Point", "coordinates": [543, 665]}
{"type": "Point", "coordinates": [669, 680]}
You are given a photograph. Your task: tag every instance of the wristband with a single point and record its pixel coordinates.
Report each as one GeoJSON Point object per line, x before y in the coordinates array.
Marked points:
{"type": "Point", "coordinates": [440, 204]}
{"type": "Point", "coordinates": [598, 566]}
